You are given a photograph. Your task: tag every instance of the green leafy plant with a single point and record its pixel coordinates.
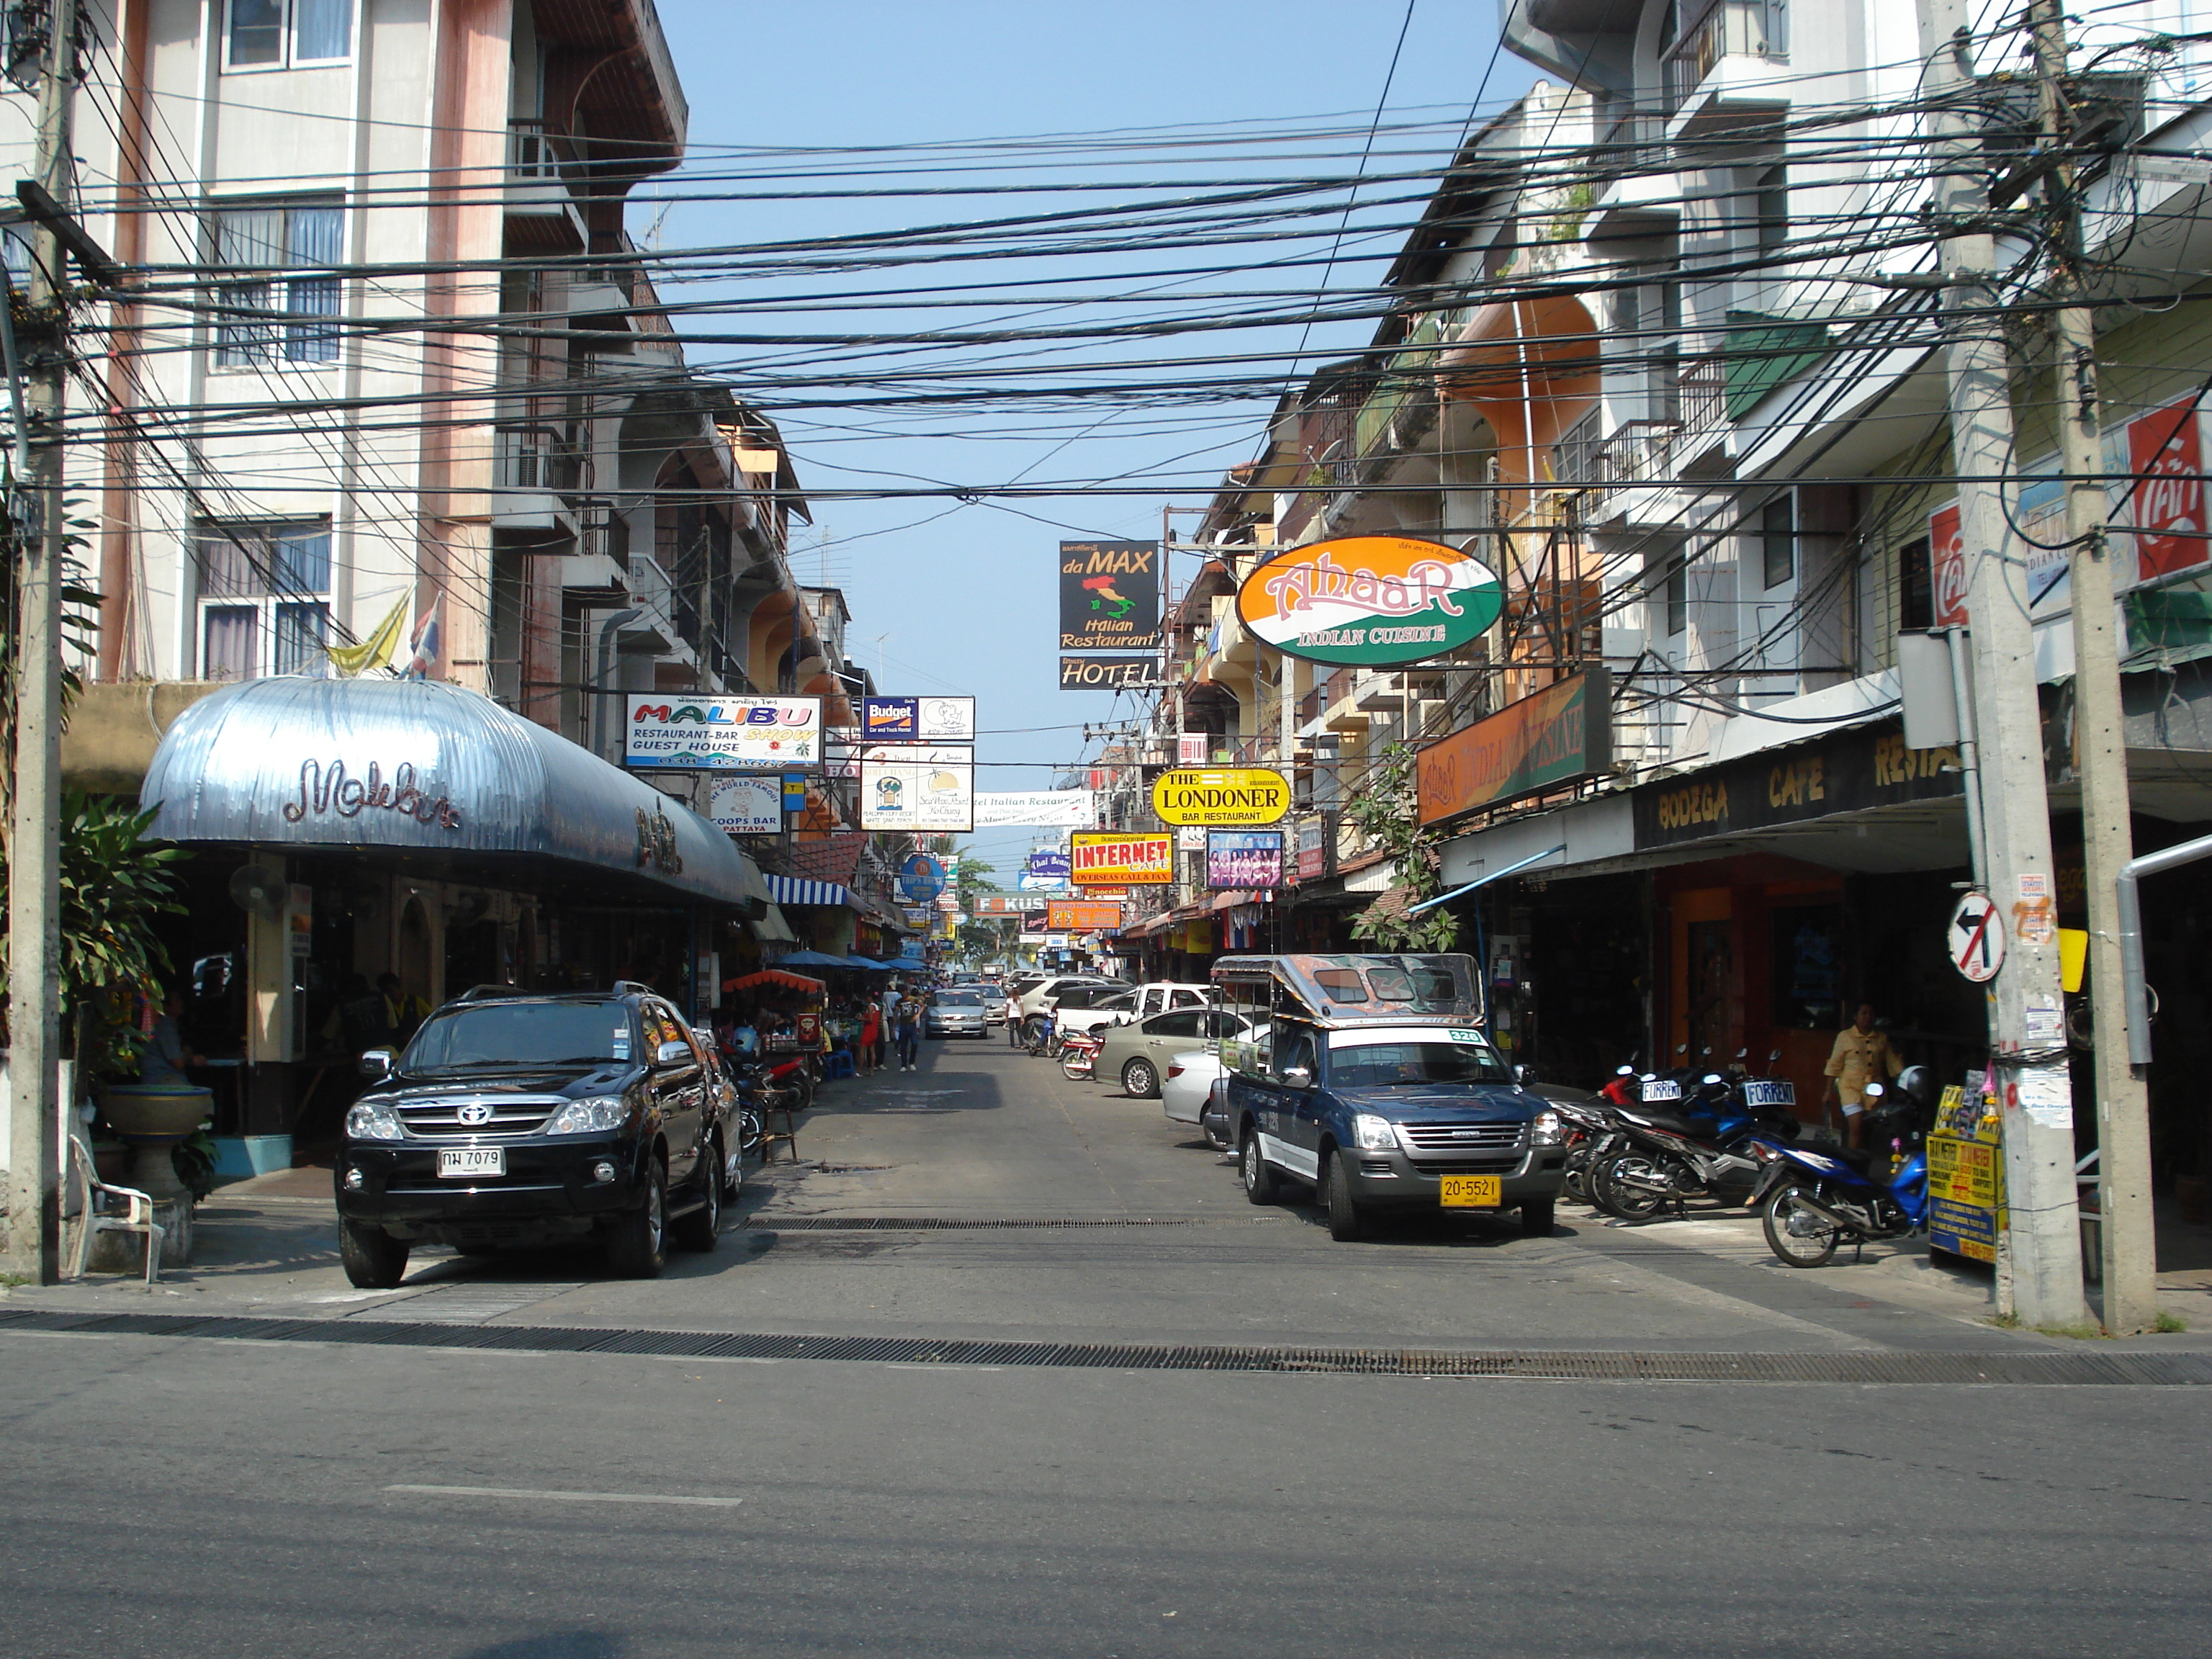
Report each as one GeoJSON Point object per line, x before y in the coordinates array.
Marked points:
{"type": "Point", "coordinates": [1386, 810]}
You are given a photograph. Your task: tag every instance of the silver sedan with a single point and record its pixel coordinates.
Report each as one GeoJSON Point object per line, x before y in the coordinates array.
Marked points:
{"type": "Point", "coordinates": [956, 1013]}
{"type": "Point", "coordinates": [1137, 1056]}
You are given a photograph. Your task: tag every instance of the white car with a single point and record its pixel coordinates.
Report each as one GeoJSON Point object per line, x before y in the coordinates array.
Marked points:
{"type": "Point", "coordinates": [1189, 1079]}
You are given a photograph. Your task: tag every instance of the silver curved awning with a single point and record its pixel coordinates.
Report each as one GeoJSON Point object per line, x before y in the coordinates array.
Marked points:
{"type": "Point", "coordinates": [431, 773]}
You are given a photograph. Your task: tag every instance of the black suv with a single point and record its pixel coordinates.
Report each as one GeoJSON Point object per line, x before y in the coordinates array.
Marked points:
{"type": "Point", "coordinates": [519, 1119]}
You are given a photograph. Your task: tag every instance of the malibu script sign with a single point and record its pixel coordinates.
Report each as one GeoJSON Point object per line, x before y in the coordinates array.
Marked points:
{"type": "Point", "coordinates": [1850, 772]}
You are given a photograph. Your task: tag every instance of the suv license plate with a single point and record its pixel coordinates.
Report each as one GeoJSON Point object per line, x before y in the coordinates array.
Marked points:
{"type": "Point", "coordinates": [1470, 1192]}
{"type": "Point", "coordinates": [462, 1162]}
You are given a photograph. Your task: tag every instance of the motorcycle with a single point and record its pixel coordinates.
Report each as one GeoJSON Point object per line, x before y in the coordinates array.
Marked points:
{"type": "Point", "coordinates": [1591, 1133]}
{"type": "Point", "coordinates": [1078, 1056]}
{"type": "Point", "coordinates": [1712, 1146]}
{"type": "Point", "coordinates": [1809, 1202]}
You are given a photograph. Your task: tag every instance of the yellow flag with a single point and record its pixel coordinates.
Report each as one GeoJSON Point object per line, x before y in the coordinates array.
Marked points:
{"type": "Point", "coordinates": [375, 650]}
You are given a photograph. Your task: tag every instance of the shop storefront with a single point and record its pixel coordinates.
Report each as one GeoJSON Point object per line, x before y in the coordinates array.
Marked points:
{"type": "Point", "coordinates": [340, 830]}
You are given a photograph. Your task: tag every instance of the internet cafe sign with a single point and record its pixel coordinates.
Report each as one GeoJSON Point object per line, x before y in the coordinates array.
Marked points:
{"type": "Point", "coordinates": [1241, 795]}
{"type": "Point", "coordinates": [1369, 601]}
{"type": "Point", "coordinates": [689, 733]}
{"type": "Point", "coordinates": [1108, 858]}
{"type": "Point", "coordinates": [1560, 735]}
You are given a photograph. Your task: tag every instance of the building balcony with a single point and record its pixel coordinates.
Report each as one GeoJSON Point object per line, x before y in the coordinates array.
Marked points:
{"type": "Point", "coordinates": [1729, 69]}
{"type": "Point", "coordinates": [540, 207]}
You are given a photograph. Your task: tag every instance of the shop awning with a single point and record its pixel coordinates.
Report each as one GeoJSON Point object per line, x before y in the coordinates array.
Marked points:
{"type": "Point", "coordinates": [813, 959]}
{"type": "Point", "coordinates": [431, 776]}
{"type": "Point", "coordinates": [770, 927]}
{"type": "Point", "coordinates": [774, 976]}
{"type": "Point", "coordinates": [796, 890]}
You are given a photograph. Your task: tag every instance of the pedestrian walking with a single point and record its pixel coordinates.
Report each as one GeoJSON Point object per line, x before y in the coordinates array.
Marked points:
{"type": "Point", "coordinates": [870, 1048]}
{"type": "Point", "coordinates": [910, 1032]}
{"type": "Point", "coordinates": [1861, 1055]}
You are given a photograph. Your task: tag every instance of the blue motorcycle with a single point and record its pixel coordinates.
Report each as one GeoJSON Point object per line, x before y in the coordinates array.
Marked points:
{"type": "Point", "coordinates": [1810, 1201]}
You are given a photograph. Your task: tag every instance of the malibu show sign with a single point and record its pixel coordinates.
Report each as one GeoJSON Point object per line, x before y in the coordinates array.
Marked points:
{"type": "Point", "coordinates": [1369, 601]}
{"type": "Point", "coordinates": [1231, 799]}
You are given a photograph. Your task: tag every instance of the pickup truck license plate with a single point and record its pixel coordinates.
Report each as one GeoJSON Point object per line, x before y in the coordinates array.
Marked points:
{"type": "Point", "coordinates": [463, 1162]}
{"type": "Point", "coordinates": [1471, 1192]}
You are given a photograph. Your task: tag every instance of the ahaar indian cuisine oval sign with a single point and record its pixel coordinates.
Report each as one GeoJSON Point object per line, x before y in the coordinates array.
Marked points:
{"type": "Point", "coordinates": [1372, 601]}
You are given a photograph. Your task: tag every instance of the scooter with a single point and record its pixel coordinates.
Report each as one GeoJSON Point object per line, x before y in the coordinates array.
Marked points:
{"type": "Point", "coordinates": [1810, 1202]}
{"type": "Point", "coordinates": [1078, 1056]}
{"type": "Point", "coordinates": [1709, 1147]}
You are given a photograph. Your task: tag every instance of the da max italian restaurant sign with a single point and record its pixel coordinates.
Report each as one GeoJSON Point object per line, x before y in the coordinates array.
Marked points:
{"type": "Point", "coordinates": [690, 733]}
{"type": "Point", "coordinates": [1369, 600]}
{"type": "Point", "coordinates": [1850, 772]}
{"type": "Point", "coordinates": [1110, 596]}
{"type": "Point", "coordinates": [1240, 795]}
{"type": "Point", "coordinates": [1555, 737]}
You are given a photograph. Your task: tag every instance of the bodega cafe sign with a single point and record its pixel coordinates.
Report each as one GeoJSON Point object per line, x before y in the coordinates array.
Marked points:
{"type": "Point", "coordinates": [1369, 601]}
{"type": "Point", "coordinates": [1226, 799]}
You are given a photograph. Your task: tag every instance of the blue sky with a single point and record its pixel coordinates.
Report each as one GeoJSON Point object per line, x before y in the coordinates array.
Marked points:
{"type": "Point", "coordinates": [965, 602]}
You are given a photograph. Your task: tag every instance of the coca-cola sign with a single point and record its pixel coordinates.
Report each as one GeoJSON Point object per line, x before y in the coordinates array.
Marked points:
{"type": "Point", "coordinates": [1947, 556]}
{"type": "Point", "coordinates": [2167, 459]}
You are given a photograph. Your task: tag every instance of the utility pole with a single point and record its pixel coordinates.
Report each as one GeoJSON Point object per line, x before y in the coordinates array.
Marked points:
{"type": "Point", "coordinates": [2039, 1260]}
{"type": "Point", "coordinates": [2130, 1255]}
{"type": "Point", "coordinates": [35, 843]}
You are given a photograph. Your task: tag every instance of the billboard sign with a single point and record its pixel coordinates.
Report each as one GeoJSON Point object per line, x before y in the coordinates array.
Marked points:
{"type": "Point", "coordinates": [918, 720]}
{"type": "Point", "coordinates": [1048, 809]}
{"type": "Point", "coordinates": [1081, 916]}
{"type": "Point", "coordinates": [680, 732]}
{"type": "Point", "coordinates": [1313, 850]}
{"type": "Point", "coordinates": [921, 878]}
{"type": "Point", "coordinates": [1369, 601]}
{"type": "Point", "coordinates": [1239, 795]}
{"type": "Point", "coordinates": [1244, 858]}
{"type": "Point", "coordinates": [746, 807]}
{"type": "Point", "coordinates": [2167, 456]}
{"type": "Point", "coordinates": [1114, 858]}
{"type": "Point", "coordinates": [920, 786]}
{"type": "Point", "coordinates": [1545, 741]}
{"type": "Point", "coordinates": [1111, 673]}
{"type": "Point", "coordinates": [1110, 596]}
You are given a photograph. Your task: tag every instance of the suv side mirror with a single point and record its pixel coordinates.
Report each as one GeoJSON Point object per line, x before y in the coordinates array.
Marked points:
{"type": "Point", "coordinates": [1298, 1076]}
{"type": "Point", "coordinates": [675, 1053]}
{"type": "Point", "coordinates": [377, 1063]}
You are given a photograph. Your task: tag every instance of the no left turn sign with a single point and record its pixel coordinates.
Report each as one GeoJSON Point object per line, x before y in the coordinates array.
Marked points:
{"type": "Point", "coordinates": [1977, 938]}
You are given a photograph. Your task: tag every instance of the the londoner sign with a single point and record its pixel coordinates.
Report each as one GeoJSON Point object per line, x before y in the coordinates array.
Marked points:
{"type": "Point", "coordinates": [1370, 601]}
{"type": "Point", "coordinates": [1241, 795]}
{"type": "Point", "coordinates": [1562, 733]}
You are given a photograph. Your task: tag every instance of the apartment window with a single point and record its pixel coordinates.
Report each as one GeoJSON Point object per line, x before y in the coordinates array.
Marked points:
{"type": "Point", "coordinates": [1664, 355]}
{"type": "Point", "coordinates": [1668, 581]}
{"type": "Point", "coordinates": [264, 597]}
{"type": "Point", "coordinates": [1777, 539]}
{"type": "Point", "coordinates": [286, 33]}
{"type": "Point", "coordinates": [273, 318]}
{"type": "Point", "coordinates": [1771, 205]}
{"type": "Point", "coordinates": [1916, 586]}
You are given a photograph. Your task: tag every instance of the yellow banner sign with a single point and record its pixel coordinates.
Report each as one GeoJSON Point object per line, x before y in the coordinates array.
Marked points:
{"type": "Point", "coordinates": [1226, 799]}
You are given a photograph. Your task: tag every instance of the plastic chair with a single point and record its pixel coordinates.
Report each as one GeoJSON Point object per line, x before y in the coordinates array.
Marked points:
{"type": "Point", "coordinates": [841, 1064]}
{"type": "Point", "coordinates": [137, 1216]}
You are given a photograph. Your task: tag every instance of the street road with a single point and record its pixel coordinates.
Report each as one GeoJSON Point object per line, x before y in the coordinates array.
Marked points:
{"type": "Point", "coordinates": [193, 1495]}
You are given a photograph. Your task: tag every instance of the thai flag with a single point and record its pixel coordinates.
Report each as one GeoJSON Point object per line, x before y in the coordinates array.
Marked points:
{"type": "Point", "coordinates": [423, 655]}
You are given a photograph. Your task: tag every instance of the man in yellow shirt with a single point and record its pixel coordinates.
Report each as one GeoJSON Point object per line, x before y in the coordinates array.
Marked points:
{"type": "Point", "coordinates": [1861, 1055]}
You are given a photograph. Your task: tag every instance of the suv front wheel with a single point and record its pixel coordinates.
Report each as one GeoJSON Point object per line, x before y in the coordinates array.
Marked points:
{"type": "Point", "coordinates": [373, 1259]}
{"type": "Point", "coordinates": [637, 1243]}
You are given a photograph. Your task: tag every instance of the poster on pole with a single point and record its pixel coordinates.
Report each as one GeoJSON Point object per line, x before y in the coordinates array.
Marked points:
{"type": "Point", "coordinates": [1110, 596]}
{"type": "Point", "coordinates": [928, 787]}
{"type": "Point", "coordinates": [682, 731]}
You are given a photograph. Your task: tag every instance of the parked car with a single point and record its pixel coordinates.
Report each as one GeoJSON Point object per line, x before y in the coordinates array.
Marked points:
{"type": "Point", "coordinates": [518, 1119]}
{"type": "Point", "coordinates": [1189, 1079]}
{"type": "Point", "coordinates": [1074, 990]}
{"type": "Point", "coordinates": [1081, 1016]}
{"type": "Point", "coordinates": [722, 1082]}
{"type": "Point", "coordinates": [1137, 1056]}
{"type": "Point", "coordinates": [1369, 1079]}
{"type": "Point", "coordinates": [956, 1013]}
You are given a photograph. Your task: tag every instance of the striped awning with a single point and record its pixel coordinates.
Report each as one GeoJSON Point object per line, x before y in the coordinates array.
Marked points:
{"type": "Point", "coordinates": [794, 890]}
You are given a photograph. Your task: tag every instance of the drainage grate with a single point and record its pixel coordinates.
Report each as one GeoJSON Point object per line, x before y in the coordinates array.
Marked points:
{"type": "Point", "coordinates": [927, 1224]}
{"type": "Point", "coordinates": [468, 1303]}
{"type": "Point", "coordinates": [2024, 1368]}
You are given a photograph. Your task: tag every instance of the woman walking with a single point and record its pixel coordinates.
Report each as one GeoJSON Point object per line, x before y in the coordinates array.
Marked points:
{"type": "Point", "coordinates": [870, 1049]}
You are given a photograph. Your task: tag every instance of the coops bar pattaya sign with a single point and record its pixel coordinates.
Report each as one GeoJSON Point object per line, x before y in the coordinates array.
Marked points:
{"type": "Point", "coordinates": [1370, 601]}
{"type": "Point", "coordinates": [1562, 733]}
{"type": "Point", "coordinates": [1240, 795]}
{"type": "Point", "coordinates": [1107, 858]}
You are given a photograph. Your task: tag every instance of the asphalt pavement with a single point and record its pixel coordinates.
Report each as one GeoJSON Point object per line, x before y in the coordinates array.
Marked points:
{"type": "Point", "coordinates": [331, 1470]}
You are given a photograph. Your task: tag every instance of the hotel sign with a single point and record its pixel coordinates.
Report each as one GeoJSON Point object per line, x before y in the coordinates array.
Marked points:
{"type": "Point", "coordinates": [1562, 734]}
